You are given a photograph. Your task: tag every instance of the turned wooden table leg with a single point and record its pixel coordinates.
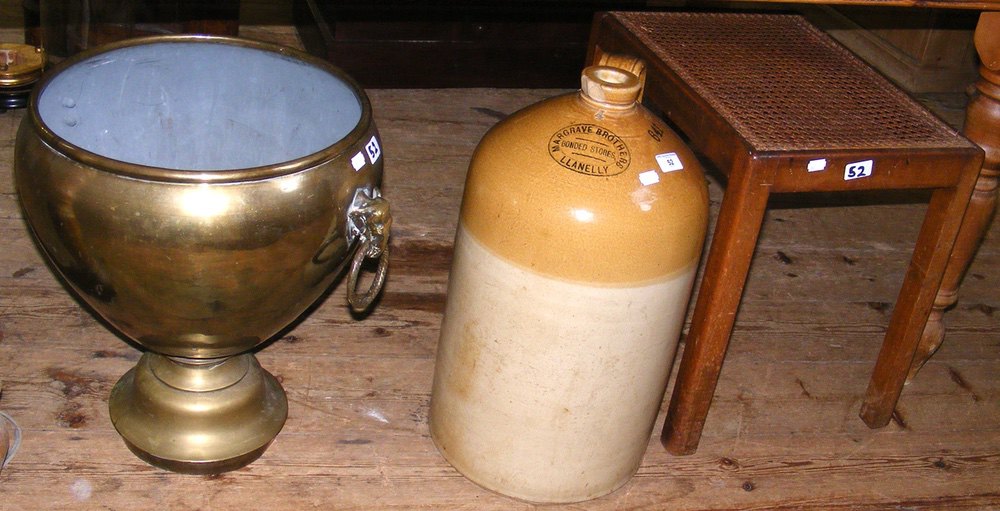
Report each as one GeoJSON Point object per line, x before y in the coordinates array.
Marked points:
{"type": "Point", "coordinates": [982, 126]}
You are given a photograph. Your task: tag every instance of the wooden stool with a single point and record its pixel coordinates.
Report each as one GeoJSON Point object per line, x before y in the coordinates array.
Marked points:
{"type": "Point", "coordinates": [779, 107]}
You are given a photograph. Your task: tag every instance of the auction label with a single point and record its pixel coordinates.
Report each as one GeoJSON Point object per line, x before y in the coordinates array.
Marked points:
{"type": "Point", "coordinates": [589, 149]}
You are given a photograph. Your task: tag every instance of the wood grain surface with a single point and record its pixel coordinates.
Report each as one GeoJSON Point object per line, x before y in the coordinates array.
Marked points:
{"type": "Point", "coordinates": [783, 432]}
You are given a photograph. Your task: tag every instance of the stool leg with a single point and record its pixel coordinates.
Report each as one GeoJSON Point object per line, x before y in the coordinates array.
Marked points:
{"type": "Point", "coordinates": [982, 126]}
{"type": "Point", "coordinates": [922, 280]}
{"type": "Point", "coordinates": [738, 225]}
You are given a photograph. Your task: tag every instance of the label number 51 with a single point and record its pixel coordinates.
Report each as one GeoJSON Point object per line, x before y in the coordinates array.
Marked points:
{"type": "Point", "coordinates": [858, 170]}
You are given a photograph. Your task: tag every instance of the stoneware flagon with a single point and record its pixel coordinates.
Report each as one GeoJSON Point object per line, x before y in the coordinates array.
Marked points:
{"type": "Point", "coordinates": [199, 193]}
{"type": "Point", "coordinates": [580, 232]}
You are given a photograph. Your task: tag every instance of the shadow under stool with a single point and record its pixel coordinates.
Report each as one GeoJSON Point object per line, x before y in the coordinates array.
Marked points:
{"type": "Point", "coordinates": [779, 107]}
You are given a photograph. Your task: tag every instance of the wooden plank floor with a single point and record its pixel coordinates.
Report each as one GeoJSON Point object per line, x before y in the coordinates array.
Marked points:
{"type": "Point", "coordinates": [783, 432]}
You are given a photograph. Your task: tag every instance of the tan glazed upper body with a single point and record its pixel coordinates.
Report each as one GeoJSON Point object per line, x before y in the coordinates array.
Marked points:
{"type": "Point", "coordinates": [589, 182]}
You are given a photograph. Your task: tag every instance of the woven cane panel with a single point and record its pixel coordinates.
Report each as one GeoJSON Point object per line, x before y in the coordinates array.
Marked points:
{"type": "Point", "coordinates": [784, 85]}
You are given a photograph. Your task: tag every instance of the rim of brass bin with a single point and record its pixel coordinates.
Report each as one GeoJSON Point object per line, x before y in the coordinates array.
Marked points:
{"type": "Point", "coordinates": [192, 176]}
{"type": "Point", "coordinates": [163, 391]}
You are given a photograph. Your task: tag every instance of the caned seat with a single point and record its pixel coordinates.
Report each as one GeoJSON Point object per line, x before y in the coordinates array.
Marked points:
{"type": "Point", "coordinates": [778, 106]}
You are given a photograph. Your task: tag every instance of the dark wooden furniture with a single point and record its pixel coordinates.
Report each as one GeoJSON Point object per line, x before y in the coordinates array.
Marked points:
{"type": "Point", "coordinates": [64, 28]}
{"type": "Point", "coordinates": [780, 107]}
{"type": "Point", "coordinates": [437, 43]}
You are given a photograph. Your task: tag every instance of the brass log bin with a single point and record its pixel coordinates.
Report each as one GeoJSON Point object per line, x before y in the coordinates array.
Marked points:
{"type": "Point", "coordinates": [199, 193]}
{"type": "Point", "coordinates": [581, 228]}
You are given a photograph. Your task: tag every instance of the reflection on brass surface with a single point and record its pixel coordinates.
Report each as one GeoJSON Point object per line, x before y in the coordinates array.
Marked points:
{"type": "Point", "coordinates": [245, 402]}
{"type": "Point", "coordinates": [198, 266]}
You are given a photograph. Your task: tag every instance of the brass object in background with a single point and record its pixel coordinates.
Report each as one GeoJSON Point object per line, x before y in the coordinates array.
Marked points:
{"type": "Point", "coordinates": [66, 27]}
{"type": "Point", "coordinates": [199, 193]}
{"type": "Point", "coordinates": [21, 66]}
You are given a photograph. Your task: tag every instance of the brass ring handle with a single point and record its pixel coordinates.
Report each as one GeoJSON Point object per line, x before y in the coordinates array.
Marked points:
{"type": "Point", "coordinates": [374, 221]}
{"type": "Point", "coordinates": [361, 302]}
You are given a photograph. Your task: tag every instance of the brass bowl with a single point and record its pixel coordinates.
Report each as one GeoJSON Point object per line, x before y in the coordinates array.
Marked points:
{"type": "Point", "coordinates": [199, 193]}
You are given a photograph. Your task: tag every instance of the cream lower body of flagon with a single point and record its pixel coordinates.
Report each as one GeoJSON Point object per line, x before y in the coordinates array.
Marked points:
{"type": "Point", "coordinates": [544, 389]}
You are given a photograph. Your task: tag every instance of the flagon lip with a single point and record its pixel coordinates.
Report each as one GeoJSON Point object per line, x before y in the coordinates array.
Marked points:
{"type": "Point", "coordinates": [134, 170]}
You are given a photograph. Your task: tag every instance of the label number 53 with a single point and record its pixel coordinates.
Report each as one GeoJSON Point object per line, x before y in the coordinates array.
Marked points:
{"type": "Point", "coordinates": [858, 170]}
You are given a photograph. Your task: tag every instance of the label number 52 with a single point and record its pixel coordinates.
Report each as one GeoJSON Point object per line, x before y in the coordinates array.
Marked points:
{"type": "Point", "coordinates": [858, 170]}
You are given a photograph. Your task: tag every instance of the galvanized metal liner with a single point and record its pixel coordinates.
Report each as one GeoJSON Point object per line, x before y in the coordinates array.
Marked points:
{"type": "Point", "coordinates": [200, 106]}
